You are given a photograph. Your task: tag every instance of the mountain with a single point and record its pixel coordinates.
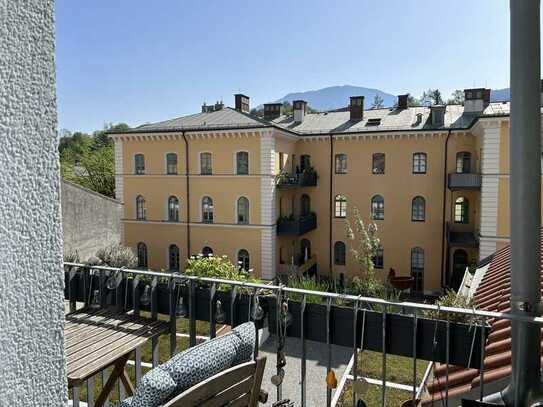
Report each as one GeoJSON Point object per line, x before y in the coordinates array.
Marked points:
{"type": "Point", "coordinates": [500, 95]}
{"type": "Point", "coordinates": [335, 97]}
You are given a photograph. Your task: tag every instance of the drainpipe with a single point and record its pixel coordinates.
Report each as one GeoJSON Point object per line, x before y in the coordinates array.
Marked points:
{"type": "Point", "coordinates": [331, 200]}
{"type": "Point", "coordinates": [445, 261]}
{"type": "Point", "coordinates": [187, 179]}
{"type": "Point", "coordinates": [525, 202]}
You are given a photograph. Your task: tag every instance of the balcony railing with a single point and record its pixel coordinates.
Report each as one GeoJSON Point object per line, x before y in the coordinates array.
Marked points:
{"type": "Point", "coordinates": [296, 226]}
{"type": "Point", "coordinates": [307, 178]}
{"type": "Point", "coordinates": [464, 181]}
{"type": "Point", "coordinates": [360, 323]}
{"type": "Point", "coordinates": [461, 235]}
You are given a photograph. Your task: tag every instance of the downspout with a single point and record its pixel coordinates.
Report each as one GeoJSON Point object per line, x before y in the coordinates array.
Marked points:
{"type": "Point", "coordinates": [445, 260]}
{"type": "Point", "coordinates": [525, 202]}
{"type": "Point", "coordinates": [331, 199]}
{"type": "Point", "coordinates": [187, 179]}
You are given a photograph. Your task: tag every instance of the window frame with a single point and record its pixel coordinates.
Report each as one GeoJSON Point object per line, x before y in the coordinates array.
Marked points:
{"type": "Point", "coordinates": [205, 170]}
{"type": "Point", "coordinates": [247, 220]}
{"type": "Point", "coordinates": [340, 253]}
{"type": "Point", "coordinates": [463, 158]}
{"type": "Point", "coordinates": [237, 162]}
{"type": "Point", "coordinates": [340, 206]}
{"type": "Point", "coordinates": [142, 255]}
{"type": "Point", "coordinates": [205, 217]}
{"type": "Point", "coordinates": [137, 169]}
{"type": "Point", "coordinates": [417, 271]}
{"type": "Point", "coordinates": [340, 163]}
{"type": "Point", "coordinates": [374, 159]}
{"type": "Point", "coordinates": [168, 165]}
{"type": "Point", "coordinates": [174, 218]}
{"type": "Point", "coordinates": [245, 262]}
{"type": "Point", "coordinates": [377, 207]}
{"type": "Point", "coordinates": [140, 208]}
{"type": "Point", "coordinates": [176, 257]}
{"type": "Point", "coordinates": [417, 211]}
{"type": "Point", "coordinates": [461, 210]}
{"type": "Point", "coordinates": [418, 163]}
{"type": "Point", "coordinates": [379, 258]}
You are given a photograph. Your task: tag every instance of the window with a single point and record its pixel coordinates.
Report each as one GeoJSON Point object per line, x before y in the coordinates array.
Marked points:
{"type": "Point", "coordinates": [206, 165]}
{"type": "Point", "coordinates": [243, 210]}
{"type": "Point", "coordinates": [142, 255]}
{"type": "Point", "coordinates": [417, 268]}
{"type": "Point", "coordinates": [378, 258]}
{"type": "Point", "coordinates": [243, 260]}
{"type": "Point", "coordinates": [340, 206]}
{"type": "Point", "coordinates": [339, 253]}
{"type": "Point", "coordinates": [341, 163]}
{"type": "Point", "coordinates": [281, 161]}
{"type": "Point", "coordinates": [173, 258]}
{"type": "Point", "coordinates": [207, 251]}
{"type": "Point", "coordinates": [419, 163]}
{"type": "Point", "coordinates": [140, 208]}
{"type": "Point", "coordinates": [461, 210]}
{"type": "Point", "coordinates": [171, 163]}
{"type": "Point", "coordinates": [242, 163]}
{"type": "Point", "coordinates": [463, 162]}
{"type": "Point", "coordinates": [139, 164]}
{"type": "Point", "coordinates": [207, 209]}
{"type": "Point", "coordinates": [305, 202]}
{"type": "Point", "coordinates": [378, 163]}
{"type": "Point", "coordinates": [373, 122]}
{"type": "Point", "coordinates": [377, 208]}
{"type": "Point", "coordinates": [173, 209]}
{"type": "Point", "coordinates": [418, 209]}
{"type": "Point", "coordinates": [305, 162]}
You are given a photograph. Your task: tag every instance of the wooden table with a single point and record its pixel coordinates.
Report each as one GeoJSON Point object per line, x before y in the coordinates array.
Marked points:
{"type": "Point", "coordinates": [97, 340]}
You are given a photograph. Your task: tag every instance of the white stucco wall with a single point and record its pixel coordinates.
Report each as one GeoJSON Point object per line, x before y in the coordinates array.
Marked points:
{"type": "Point", "coordinates": [32, 364]}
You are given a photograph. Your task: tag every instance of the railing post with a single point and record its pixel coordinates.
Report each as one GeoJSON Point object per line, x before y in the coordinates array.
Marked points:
{"type": "Point", "coordinates": [173, 319]}
{"type": "Point", "coordinates": [355, 351]}
{"type": "Point", "coordinates": [329, 345]}
{"type": "Point", "coordinates": [212, 327]}
{"type": "Point", "coordinates": [304, 352]}
{"type": "Point", "coordinates": [192, 313]}
{"type": "Point", "coordinates": [136, 306]}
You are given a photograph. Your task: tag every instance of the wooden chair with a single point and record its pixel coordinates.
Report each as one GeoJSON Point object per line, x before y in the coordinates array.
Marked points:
{"type": "Point", "coordinates": [238, 386]}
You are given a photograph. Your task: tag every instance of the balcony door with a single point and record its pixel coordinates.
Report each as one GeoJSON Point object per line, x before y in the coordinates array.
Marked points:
{"type": "Point", "coordinates": [305, 250]}
{"type": "Point", "coordinates": [305, 202]}
{"type": "Point", "coordinates": [305, 162]}
{"type": "Point", "coordinates": [460, 262]}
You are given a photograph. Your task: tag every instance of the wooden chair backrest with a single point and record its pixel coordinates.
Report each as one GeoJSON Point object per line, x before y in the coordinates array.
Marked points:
{"type": "Point", "coordinates": [238, 386]}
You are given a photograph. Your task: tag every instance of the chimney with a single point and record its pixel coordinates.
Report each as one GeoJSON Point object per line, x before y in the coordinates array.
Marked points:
{"type": "Point", "coordinates": [300, 108]}
{"type": "Point", "coordinates": [402, 101]}
{"type": "Point", "coordinates": [242, 103]}
{"type": "Point", "coordinates": [272, 110]}
{"type": "Point", "coordinates": [476, 100]}
{"type": "Point", "coordinates": [438, 115]}
{"type": "Point", "coordinates": [356, 107]}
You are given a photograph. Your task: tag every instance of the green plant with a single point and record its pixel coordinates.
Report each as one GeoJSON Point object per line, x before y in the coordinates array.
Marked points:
{"type": "Point", "coordinates": [368, 242]}
{"type": "Point", "coordinates": [452, 299]}
{"type": "Point", "coordinates": [306, 283]}
{"type": "Point", "coordinates": [117, 256]}
{"type": "Point", "coordinates": [72, 257]}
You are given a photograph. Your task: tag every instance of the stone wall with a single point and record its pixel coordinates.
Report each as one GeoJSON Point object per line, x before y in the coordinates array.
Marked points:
{"type": "Point", "coordinates": [90, 221]}
{"type": "Point", "coordinates": [33, 371]}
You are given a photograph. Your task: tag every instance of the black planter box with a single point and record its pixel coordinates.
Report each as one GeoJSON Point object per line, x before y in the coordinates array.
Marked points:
{"type": "Point", "coordinates": [77, 289]}
{"type": "Point", "coordinates": [399, 333]}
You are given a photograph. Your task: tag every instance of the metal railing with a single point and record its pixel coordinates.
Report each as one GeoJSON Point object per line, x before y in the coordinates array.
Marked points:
{"type": "Point", "coordinates": [372, 323]}
{"type": "Point", "coordinates": [296, 225]}
{"type": "Point", "coordinates": [464, 181]}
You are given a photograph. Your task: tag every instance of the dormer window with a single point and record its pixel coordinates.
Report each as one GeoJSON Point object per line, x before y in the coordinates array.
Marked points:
{"type": "Point", "coordinates": [373, 122]}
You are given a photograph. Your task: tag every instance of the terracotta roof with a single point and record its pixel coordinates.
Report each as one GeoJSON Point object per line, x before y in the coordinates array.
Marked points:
{"type": "Point", "coordinates": [493, 294]}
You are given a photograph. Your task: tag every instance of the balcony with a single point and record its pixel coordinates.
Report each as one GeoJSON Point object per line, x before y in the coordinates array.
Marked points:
{"type": "Point", "coordinates": [459, 235]}
{"type": "Point", "coordinates": [296, 226]}
{"type": "Point", "coordinates": [307, 178]}
{"type": "Point", "coordinates": [464, 181]}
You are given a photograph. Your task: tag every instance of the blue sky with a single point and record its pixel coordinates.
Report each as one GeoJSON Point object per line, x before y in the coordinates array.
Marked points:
{"type": "Point", "coordinates": [138, 61]}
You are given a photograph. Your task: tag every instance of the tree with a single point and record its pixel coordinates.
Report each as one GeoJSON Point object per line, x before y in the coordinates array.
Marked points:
{"type": "Point", "coordinates": [457, 98]}
{"type": "Point", "coordinates": [368, 242]}
{"type": "Point", "coordinates": [377, 102]}
{"type": "Point", "coordinates": [431, 97]}
{"type": "Point", "coordinates": [413, 102]}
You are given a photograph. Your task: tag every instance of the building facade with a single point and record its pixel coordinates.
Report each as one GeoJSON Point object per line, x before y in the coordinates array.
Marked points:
{"type": "Point", "coordinates": [275, 192]}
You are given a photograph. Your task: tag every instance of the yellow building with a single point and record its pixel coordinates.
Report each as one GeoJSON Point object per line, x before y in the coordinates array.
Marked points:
{"type": "Point", "coordinates": [274, 192]}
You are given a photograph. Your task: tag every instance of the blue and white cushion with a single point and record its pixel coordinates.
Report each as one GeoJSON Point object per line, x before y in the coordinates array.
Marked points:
{"type": "Point", "coordinates": [156, 386]}
{"type": "Point", "coordinates": [247, 334]}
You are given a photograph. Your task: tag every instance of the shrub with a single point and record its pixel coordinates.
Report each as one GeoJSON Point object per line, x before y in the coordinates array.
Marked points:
{"type": "Point", "coordinates": [452, 299]}
{"type": "Point", "coordinates": [306, 283]}
{"type": "Point", "coordinates": [117, 256]}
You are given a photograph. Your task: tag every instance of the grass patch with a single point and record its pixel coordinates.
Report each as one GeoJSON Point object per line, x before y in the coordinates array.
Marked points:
{"type": "Point", "coordinates": [399, 368]}
{"type": "Point", "coordinates": [373, 396]}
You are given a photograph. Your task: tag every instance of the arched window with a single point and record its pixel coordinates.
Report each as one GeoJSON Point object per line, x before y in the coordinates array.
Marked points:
{"type": "Point", "coordinates": [171, 163]}
{"type": "Point", "coordinates": [206, 165]}
{"type": "Point", "coordinates": [140, 207]}
{"type": "Point", "coordinates": [243, 210]}
{"type": "Point", "coordinates": [139, 164]}
{"type": "Point", "coordinates": [378, 259]}
{"type": "Point", "coordinates": [417, 268]}
{"type": "Point", "coordinates": [207, 251]}
{"type": "Point", "coordinates": [463, 162]}
{"type": "Point", "coordinates": [305, 202]}
{"type": "Point", "coordinates": [305, 250]}
{"type": "Point", "coordinates": [340, 206]}
{"type": "Point", "coordinates": [378, 163]}
{"type": "Point", "coordinates": [418, 209]}
{"type": "Point", "coordinates": [419, 163]}
{"type": "Point", "coordinates": [173, 209]}
{"type": "Point", "coordinates": [207, 209]}
{"type": "Point", "coordinates": [173, 258]}
{"type": "Point", "coordinates": [242, 163]}
{"type": "Point", "coordinates": [243, 260]}
{"type": "Point", "coordinates": [341, 163]}
{"type": "Point", "coordinates": [339, 253]}
{"type": "Point", "coordinates": [377, 207]}
{"type": "Point", "coordinates": [142, 255]}
{"type": "Point", "coordinates": [461, 210]}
